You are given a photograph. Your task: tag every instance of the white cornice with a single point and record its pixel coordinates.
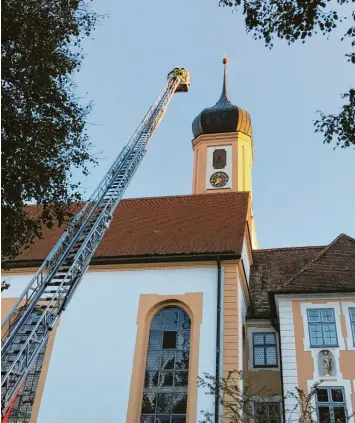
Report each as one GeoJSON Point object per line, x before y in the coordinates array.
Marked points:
{"type": "Point", "coordinates": [319, 295]}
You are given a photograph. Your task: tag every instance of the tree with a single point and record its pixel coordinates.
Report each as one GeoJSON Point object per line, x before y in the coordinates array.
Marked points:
{"type": "Point", "coordinates": [43, 124]}
{"type": "Point", "coordinates": [241, 401]}
{"type": "Point", "coordinates": [233, 395]}
{"type": "Point", "coordinates": [292, 21]}
{"type": "Point", "coordinates": [5, 285]}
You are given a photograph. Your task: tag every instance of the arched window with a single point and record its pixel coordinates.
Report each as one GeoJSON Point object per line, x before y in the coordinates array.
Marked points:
{"type": "Point", "coordinates": [166, 374]}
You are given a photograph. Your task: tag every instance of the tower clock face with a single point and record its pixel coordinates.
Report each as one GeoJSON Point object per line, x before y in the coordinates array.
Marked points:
{"type": "Point", "coordinates": [219, 179]}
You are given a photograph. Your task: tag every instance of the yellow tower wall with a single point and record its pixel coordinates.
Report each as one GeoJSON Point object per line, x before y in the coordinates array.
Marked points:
{"type": "Point", "coordinates": [242, 161]}
{"type": "Point", "coordinates": [241, 167]}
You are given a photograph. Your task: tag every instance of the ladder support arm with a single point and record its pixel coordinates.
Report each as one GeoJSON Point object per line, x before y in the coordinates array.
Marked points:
{"type": "Point", "coordinates": [53, 286]}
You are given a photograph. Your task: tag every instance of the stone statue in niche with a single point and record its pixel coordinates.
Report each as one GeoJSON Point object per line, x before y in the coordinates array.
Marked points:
{"type": "Point", "coordinates": [327, 363]}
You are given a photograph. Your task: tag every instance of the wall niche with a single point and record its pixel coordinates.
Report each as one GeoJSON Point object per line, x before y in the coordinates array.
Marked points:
{"type": "Point", "coordinates": [326, 363]}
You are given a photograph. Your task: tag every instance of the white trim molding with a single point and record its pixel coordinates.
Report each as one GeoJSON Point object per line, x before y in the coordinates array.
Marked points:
{"type": "Point", "coordinates": [250, 331]}
{"type": "Point", "coordinates": [288, 354]}
{"type": "Point", "coordinates": [319, 296]}
{"type": "Point", "coordinates": [245, 260]}
{"type": "Point", "coordinates": [346, 384]}
{"type": "Point", "coordinates": [251, 322]}
{"type": "Point", "coordinates": [349, 338]}
{"type": "Point", "coordinates": [228, 169]}
{"type": "Point", "coordinates": [315, 350]}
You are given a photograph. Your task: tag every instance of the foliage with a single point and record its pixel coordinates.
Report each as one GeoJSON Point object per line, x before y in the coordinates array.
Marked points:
{"type": "Point", "coordinates": [5, 285]}
{"type": "Point", "coordinates": [339, 126]}
{"type": "Point", "coordinates": [234, 395]}
{"type": "Point", "coordinates": [43, 123]}
{"type": "Point", "coordinates": [294, 20]}
{"type": "Point", "coordinates": [241, 402]}
{"type": "Point", "coordinates": [303, 404]}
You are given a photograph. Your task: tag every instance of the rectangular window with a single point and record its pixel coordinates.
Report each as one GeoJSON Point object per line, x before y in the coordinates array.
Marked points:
{"type": "Point", "coordinates": [267, 412]}
{"type": "Point", "coordinates": [352, 322]}
{"type": "Point", "coordinates": [322, 330]}
{"type": "Point", "coordinates": [219, 159]}
{"type": "Point", "coordinates": [331, 405]}
{"type": "Point", "coordinates": [264, 349]}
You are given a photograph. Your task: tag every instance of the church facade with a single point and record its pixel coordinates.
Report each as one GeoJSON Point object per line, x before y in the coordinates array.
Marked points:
{"type": "Point", "coordinates": [178, 289]}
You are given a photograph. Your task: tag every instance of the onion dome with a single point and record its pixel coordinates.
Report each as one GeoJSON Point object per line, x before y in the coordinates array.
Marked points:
{"type": "Point", "coordinates": [223, 116]}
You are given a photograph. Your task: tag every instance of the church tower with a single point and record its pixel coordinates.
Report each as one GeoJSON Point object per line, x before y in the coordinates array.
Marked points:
{"type": "Point", "coordinates": [223, 149]}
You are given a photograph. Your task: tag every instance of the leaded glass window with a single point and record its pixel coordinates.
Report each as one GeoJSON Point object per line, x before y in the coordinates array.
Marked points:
{"type": "Point", "coordinates": [267, 412]}
{"type": "Point", "coordinates": [322, 330]}
{"type": "Point", "coordinates": [264, 349]}
{"type": "Point", "coordinates": [352, 322]}
{"type": "Point", "coordinates": [166, 375]}
{"type": "Point", "coordinates": [331, 405]}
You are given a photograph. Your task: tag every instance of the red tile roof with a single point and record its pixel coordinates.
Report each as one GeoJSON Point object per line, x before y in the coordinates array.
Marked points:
{"type": "Point", "coordinates": [321, 269]}
{"type": "Point", "coordinates": [270, 269]}
{"type": "Point", "coordinates": [191, 224]}
{"type": "Point", "coordinates": [332, 270]}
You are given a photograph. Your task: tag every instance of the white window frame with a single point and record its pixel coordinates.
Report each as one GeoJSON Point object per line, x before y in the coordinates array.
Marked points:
{"type": "Point", "coordinates": [346, 312]}
{"type": "Point", "coordinates": [330, 403]}
{"type": "Point", "coordinates": [310, 324]}
{"type": "Point", "coordinates": [304, 312]}
{"type": "Point", "coordinates": [345, 384]}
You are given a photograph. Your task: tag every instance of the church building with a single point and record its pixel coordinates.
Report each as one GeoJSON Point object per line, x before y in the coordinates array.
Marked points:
{"type": "Point", "coordinates": [178, 289]}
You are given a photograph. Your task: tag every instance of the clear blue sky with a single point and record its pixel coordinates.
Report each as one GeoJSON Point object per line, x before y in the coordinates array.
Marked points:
{"type": "Point", "coordinates": [303, 190]}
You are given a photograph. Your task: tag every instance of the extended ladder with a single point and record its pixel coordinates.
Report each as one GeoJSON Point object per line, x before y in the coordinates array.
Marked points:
{"type": "Point", "coordinates": [55, 282]}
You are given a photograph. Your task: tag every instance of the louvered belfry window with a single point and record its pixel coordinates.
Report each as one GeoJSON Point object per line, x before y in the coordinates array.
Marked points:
{"type": "Point", "coordinates": [166, 375]}
{"type": "Point", "coordinates": [219, 159]}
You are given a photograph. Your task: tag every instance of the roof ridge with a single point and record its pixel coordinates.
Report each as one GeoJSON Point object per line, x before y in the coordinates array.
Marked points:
{"type": "Point", "coordinates": [317, 257]}
{"type": "Point", "coordinates": [205, 194]}
{"type": "Point", "coordinates": [350, 238]}
{"type": "Point", "coordinates": [261, 250]}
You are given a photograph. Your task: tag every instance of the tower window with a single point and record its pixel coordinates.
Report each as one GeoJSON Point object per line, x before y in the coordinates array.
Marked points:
{"type": "Point", "coordinates": [166, 375]}
{"type": "Point", "coordinates": [219, 159]}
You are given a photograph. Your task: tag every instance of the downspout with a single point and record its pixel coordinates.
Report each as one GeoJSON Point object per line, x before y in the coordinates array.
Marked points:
{"type": "Point", "coordinates": [218, 340]}
{"type": "Point", "coordinates": [277, 327]}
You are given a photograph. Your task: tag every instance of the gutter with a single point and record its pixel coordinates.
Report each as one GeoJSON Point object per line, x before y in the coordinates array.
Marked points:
{"type": "Point", "coordinates": [135, 259]}
{"type": "Point", "coordinates": [218, 340]}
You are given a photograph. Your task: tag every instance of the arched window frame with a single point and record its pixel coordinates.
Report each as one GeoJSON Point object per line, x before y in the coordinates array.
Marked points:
{"type": "Point", "coordinates": [167, 366]}
{"type": "Point", "coordinates": [149, 306]}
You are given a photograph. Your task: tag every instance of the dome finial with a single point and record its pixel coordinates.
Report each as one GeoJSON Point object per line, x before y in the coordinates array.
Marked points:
{"type": "Point", "coordinates": [223, 117]}
{"type": "Point", "coordinates": [224, 96]}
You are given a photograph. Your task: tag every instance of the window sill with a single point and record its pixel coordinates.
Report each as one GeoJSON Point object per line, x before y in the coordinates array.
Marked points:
{"type": "Point", "coordinates": [322, 347]}
{"type": "Point", "coordinates": [266, 367]}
